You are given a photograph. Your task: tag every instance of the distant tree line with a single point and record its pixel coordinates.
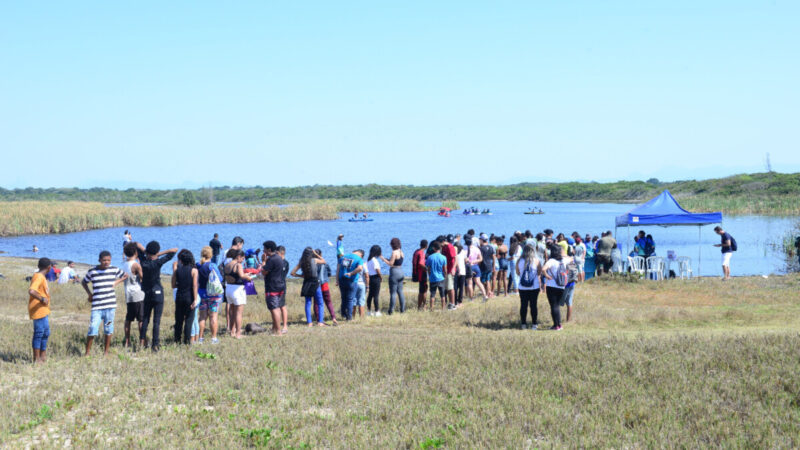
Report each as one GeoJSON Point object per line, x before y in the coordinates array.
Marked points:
{"type": "Point", "coordinates": [751, 185]}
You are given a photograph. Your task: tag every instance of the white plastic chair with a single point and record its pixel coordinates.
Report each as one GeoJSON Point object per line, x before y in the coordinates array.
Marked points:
{"type": "Point", "coordinates": [616, 261]}
{"type": "Point", "coordinates": [636, 263]}
{"type": "Point", "coordinates": [655, 268]}
{"type": "Point", "coordinates": [685, 267]}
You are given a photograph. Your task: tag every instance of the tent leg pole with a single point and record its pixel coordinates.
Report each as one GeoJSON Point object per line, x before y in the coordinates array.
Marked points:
{"type": "Point", "coordinates": [699, 246]}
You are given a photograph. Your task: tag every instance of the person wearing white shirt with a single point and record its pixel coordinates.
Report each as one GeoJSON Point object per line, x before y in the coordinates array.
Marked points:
{"type": "Point", "coordinates": [68, 274]}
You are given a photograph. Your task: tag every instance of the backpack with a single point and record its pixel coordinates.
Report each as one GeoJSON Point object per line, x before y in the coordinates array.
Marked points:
{"type": "Point", "coordinates": [572, 272]}
{"type": "Point", "coordinates": [561, 275]}
{"type": "Point", "coordinates": [528, 277]}
{"type": "Point", "coordinates": [214, 286]}
{"type": "Point", "coordinates": [734, 247]}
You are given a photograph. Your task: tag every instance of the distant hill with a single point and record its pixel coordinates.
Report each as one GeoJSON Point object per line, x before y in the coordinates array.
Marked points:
{"type": "Point", "coordinates": [752, 186]}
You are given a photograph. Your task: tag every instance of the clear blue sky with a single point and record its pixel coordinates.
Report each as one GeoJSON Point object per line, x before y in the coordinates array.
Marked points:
{"type": "Point", "coordinates": [169, 94]}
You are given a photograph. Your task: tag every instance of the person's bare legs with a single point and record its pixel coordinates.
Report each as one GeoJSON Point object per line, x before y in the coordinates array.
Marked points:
{"type": "Point", "coordinates": [569, 313]}
{"type": "Point", "coordinates": [285, 318]}
{"type": "Point", "coordinates": [106, 344]}
{"type": "Point", "coordinates": [127, 341]}
{"type": "Point", "coordinates": [201, 323]}
{"type": "Point", "coordinates": [228, 317]}
{"type": "Point", "coordinates": [480, 287]}
{"type": "Point", "coordinates": [237, 318]}
{"type": "Point", "coordinates": [421, 301]}
{"type": "Point", "coordinates": [89, 341]}
{"type": "Point", "coordinates": [36, 355]}
{"type": "Point", "coordinates": [214, 325]}
{"type": "Point", "coordinates": [276, 321]}
{"type": "Point", "coordinates": [42, 356]}
{"type": "Point", "coordinates": [502, 280]}
{"type": "Point", "coordinates": [361, 311]}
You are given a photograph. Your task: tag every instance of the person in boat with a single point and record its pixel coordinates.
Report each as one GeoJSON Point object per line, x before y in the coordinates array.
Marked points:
{"type": "Point", "coordinates": [364, 216]}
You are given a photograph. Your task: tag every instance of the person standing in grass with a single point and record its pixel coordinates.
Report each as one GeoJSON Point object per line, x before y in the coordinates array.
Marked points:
{"type": "Point", "coordinates": [209, 301]}
{"type": "Point", "coordinates": [309, 269]}
{"type": "Point", "coordinates": [436, 264]}
{"type": "Point", "coordinates": [580, 256]}
{"type": "Point", "coordinates": [449, 253]}
{"type": "Point", "coordinates": [728, 246]}
{"type": "Point", "coordinates": [236, 244]}
{"type": "Point", "coordinates": [324, 274]}
{"type": "Point", "coordinates": [361, 290]}
{"type": "Point", "coordinates": [461, 274]}
{"type": "Point", "coordinates": [502, 265]}
{"type": "Point", "coordinates": [151, 258]}
{"type": "Point", "coordinates": [375, 280]}
{"type": "Point", "coordinates": [39, 310]}
{"type": "Point", "coordinates": [274, 287]}
{"type": "Point", "coordinates": [605, 246]}
{"type": "Point", "coordinates": [350, 268]}
{"type": "Point", "coordinates": [235, 277]}
{"type": "Point", "coordinates": [514, 253]}
{"type": "Point", "coordinates": [104, 278]}
{"type": "Point", "coordinates": [396, 276]}
{"type": "Point", "coordinates": [554, 291]}
{"type": "Point", "coordinates": [134, 295]}
{"type": "Point", "coordinates": [528, 270]}
{"type": "Point", "coordinates": [185, 280]}
{"type": "Point", "coordinates": [488, 259]}
{"type": "Point", "coordinates": [420, 272]}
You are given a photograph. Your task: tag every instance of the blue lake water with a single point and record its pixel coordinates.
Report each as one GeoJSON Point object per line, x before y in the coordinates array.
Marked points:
{"type": "Point", "coordinates": [755, 234]}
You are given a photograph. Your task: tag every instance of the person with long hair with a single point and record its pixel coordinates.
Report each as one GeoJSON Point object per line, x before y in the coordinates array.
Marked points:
{"type": "Point", "coordinates": [235, 278]}
{"type": "Point", "coordinates": [209, 304]}
{"type": "Point", "coordinates": [554, 292]}
{"type": "Point", "coordinates": [323, 274]}
{"type": "Point", "coordinates": [396, 275]}
{"type": "Point", "coordinates": [309, 266]}
{"type": "Point", "coordinates": [184, 279]}
{"type": "Point", "coordinates": [528, 270]}
{"type": "Point", "coordinates": [375, 279]}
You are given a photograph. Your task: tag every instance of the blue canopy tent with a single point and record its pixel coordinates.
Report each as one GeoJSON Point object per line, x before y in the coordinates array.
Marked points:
{"type": "Point", "coordinates": [665, 211]}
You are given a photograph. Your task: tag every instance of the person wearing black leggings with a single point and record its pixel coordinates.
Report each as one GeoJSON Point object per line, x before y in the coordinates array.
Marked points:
{"type": "Point", "coordinates": [184, 279]}
{"type": "Point", "coordinates": [528, 270]}
{"type": "Point", "coordinates": [396, 276]}
{"type": "Point", "coordinates": [461, 273]}
{"type": "Point", "coordinates": [375, 279]}
{"type": "Point", "coordinates": [554, 291]}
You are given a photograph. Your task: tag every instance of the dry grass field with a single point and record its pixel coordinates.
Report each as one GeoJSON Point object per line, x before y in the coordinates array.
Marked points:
{"type": "Point", "coordinates": [702, 363]}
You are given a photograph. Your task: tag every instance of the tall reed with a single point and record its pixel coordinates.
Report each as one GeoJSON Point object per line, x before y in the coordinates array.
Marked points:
{"type": "Point", "coordinates": [18, 218]}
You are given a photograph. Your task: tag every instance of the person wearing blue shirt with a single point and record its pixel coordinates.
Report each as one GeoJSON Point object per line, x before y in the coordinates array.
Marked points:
{"type": "Point", "coordinates": [435, 263]}
{"type": "Point", "coordinates": [350, 266]}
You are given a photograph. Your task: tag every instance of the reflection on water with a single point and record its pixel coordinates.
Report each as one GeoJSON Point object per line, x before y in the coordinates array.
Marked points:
{"type": "Point", "coordinates": [755, 235]}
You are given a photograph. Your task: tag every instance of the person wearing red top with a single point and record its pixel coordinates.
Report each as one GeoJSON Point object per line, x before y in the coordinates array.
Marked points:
{"type": "Point", "coordinates": [449, 253]}
{"type": "Point", "coordinates": [420, 272]}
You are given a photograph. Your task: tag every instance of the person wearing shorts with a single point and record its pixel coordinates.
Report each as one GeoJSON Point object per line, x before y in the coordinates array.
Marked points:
{"type": "Point", "coordinates": [104, 278]}
{"type": "Point", "coordinates": [726, 245]}
{"type": "Point", "coordinates": [209, 305]}
{"type": "Point", "coordinates": [436, 264]}
{"type": "Point", "coordinates": [274, 287]}
{"type": "Point", "coordinates": [360, 299]}
{"type": "Point", "coordinates": [350, 268]}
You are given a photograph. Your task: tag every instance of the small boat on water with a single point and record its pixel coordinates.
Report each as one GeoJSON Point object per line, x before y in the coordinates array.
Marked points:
{"type": "Point", "coordinates": [533, 212]}
{"type": "Point", "coordinates": [359, 220]}
{"type": "Point", "coordinates": [444, 212]}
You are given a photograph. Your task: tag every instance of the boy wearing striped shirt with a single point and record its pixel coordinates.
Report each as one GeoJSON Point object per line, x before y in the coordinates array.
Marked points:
{"type": "Point", "coordinates": [104, 278]}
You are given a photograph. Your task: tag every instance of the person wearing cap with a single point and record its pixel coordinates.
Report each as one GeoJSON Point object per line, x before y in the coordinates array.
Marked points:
{"type": "Point", "coordinates": [39, 310]}
{"type": "Point", "coordinates": [151, 258]}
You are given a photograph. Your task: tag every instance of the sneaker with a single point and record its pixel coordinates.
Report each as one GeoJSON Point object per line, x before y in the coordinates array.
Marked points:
{"type": "Point", "coordinates": [378, 314]}
{"type": "Point", "coordinates": [523, 326]}
{"type": "Point", "coordinates": [214, 341]}
{"type": "Point", "coordinates": [370, 313]}
{"type": "Point", "coordinates": [451, 306]}
{"type": "Point", "coordinates": [200, 340]}
{"type": "Point", "coordinates": [534, 327]}
{"type": "Point", "coordinates": [485, 299]}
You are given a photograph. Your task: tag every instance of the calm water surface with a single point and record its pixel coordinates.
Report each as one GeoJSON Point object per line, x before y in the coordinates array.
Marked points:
{"type": "Point", "coordinates": [754, 234]}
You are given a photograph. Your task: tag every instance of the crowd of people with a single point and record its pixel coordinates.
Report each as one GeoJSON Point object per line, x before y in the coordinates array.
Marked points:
{"type": "Point", "coordinates": [448, 270]}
